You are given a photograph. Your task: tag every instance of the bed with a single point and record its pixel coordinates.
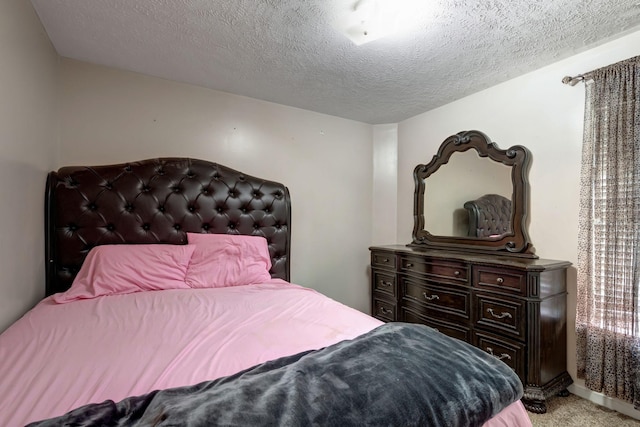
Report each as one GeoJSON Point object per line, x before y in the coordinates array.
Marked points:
{"type": "Point", "coordinates": [142, 303]}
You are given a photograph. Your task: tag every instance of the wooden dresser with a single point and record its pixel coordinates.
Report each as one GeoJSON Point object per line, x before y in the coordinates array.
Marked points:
{"type": "Point", "coordinates": [513, 308]}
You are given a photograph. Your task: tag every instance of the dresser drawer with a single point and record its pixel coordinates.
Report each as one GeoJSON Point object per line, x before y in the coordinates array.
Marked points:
{"type": "Point", "coordinates": [500, 280]}
{"type": "Point", "coordinates": [501, 314]}
{"type": "Point", "coordinates": [384, 283]}
{"type": "Point", "coordinates": [384, 310]}
{"type": "Point", "coordinates": [444, 271]}
{"type": "Point", "coordinates": [510, 352]}
{"type": "Point", "coordinates": [383, 260]}
{"type": "Point", "coordinates": [450, 329]}
{"type": "Point", "coordinates": [430, 297]}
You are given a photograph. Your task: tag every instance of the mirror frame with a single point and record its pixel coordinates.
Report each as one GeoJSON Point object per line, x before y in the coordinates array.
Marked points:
{"type": "Point", "coordinates": [518, 157]}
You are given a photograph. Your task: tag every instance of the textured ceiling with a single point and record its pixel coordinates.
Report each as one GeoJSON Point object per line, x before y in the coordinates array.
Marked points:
{"type": "Point", "coordinates": [289, 51]}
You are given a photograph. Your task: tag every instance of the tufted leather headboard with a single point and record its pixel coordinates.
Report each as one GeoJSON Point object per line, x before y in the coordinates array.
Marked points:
{"type": "Point", "coordinates": [489, 215]}
{"type": "Point", "coordinates": [157, 201]}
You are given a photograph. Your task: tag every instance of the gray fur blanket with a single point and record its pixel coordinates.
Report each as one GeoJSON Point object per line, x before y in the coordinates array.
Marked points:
{"type": "Point", "coordinates": [396, 375]}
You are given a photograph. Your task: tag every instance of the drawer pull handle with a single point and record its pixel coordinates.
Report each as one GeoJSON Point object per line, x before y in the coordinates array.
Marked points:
{"type": "Point", "coordinates": [500, 280]}
{"type": "Point", "coordinates": [499, 316]}
{"type": "Point", "coordinates": [456, 273]}
{"type": "Point", "coordinates": [502, 356]}
{"type": "Point", "coordinates": [408, 265]}
{"type": "Point", "coordinates": [430, 297]}
{"type": "Point", "coordinates": [385, 310]}
{"type": "Point", "coordinates": [385, 260]}
{"type": "Point", "coordinates": [385, 284]}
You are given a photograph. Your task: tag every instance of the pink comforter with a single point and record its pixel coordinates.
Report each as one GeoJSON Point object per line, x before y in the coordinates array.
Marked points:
{"type": "Point", "coordinates": [61, 356]}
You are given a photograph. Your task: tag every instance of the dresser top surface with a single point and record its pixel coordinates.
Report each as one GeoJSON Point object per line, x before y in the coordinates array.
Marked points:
{"type": "Point", "coordinates": [534, 264]}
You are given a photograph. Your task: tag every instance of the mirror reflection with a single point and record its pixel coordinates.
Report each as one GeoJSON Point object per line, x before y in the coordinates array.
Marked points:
{"type": "Point", "coordinates": [469, 172]}
{"type": "Point", "coordinates": [470, 196]}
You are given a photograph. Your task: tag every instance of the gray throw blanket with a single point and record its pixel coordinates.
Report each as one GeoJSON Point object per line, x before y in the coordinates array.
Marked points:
{"type": "Point", "coordinates": [396, 375]}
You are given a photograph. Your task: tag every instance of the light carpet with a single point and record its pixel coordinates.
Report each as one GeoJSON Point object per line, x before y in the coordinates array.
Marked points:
{"type": "Point", "coordinates": [574, 411]}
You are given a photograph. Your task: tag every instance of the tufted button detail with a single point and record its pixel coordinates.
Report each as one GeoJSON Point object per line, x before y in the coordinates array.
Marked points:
{"type": "Point", "coordinates": [143, 208]}
{"type": "Point", "coordinates": [489, 214]}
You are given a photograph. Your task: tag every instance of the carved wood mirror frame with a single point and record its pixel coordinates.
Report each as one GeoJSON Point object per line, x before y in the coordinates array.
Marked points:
{"type": "Point", "coordinates": [516, 242]}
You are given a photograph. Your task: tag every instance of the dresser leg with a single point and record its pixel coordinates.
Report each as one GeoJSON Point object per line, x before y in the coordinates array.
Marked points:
{"type": "Point", "coordinates": [536, 396]}
{"type": "Point", "coordinates": [535, 406]}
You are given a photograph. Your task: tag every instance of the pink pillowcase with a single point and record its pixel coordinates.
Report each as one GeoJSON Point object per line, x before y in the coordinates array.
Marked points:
{"type": "Point", "coordinates": [221, 260]}
{"type": "Point", "coordinates": [124, 269]}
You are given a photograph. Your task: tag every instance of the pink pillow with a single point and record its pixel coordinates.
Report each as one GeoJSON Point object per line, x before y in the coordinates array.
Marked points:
{"type": "Point", "coordinates": [124, 269]}
{"type": "Point", "coordinates": [222, 260]}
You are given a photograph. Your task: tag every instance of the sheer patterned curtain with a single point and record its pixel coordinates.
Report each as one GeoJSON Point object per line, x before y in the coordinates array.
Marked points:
{"type": "Point", "coordinates": [608, 316]}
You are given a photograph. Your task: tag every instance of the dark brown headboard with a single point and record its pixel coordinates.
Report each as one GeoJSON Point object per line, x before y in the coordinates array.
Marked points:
{"type": "Point", "coordinates": [157, 201]}
{"type": "Point", "coordinates": [489, 215]}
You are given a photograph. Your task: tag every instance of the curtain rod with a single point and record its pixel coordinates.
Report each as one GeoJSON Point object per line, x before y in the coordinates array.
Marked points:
{"type": "Point", "coordinates": [572, 81]}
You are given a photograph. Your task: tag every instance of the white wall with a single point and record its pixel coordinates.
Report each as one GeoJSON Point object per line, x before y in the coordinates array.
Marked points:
{"type": "Point", "coordinates": [535, 110]}
{"type": "Point", "coordinates": [28, 74]}
{"type": "Point", "coordinates": [112, 116]}
{"type": "Point", "coordinates": [384, 209]}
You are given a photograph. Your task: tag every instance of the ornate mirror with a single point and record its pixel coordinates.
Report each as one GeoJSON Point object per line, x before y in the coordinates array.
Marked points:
{"type": "Point", "coordinates": [473, 196]}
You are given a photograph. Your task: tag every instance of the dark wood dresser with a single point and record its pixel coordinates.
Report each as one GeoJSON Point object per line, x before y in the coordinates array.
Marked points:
{"type": "Point", "coordinates": [513, 308]}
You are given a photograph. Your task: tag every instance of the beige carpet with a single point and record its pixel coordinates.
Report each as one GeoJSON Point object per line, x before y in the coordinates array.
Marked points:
{"type": "Point", "coordinates": [574, 411]}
